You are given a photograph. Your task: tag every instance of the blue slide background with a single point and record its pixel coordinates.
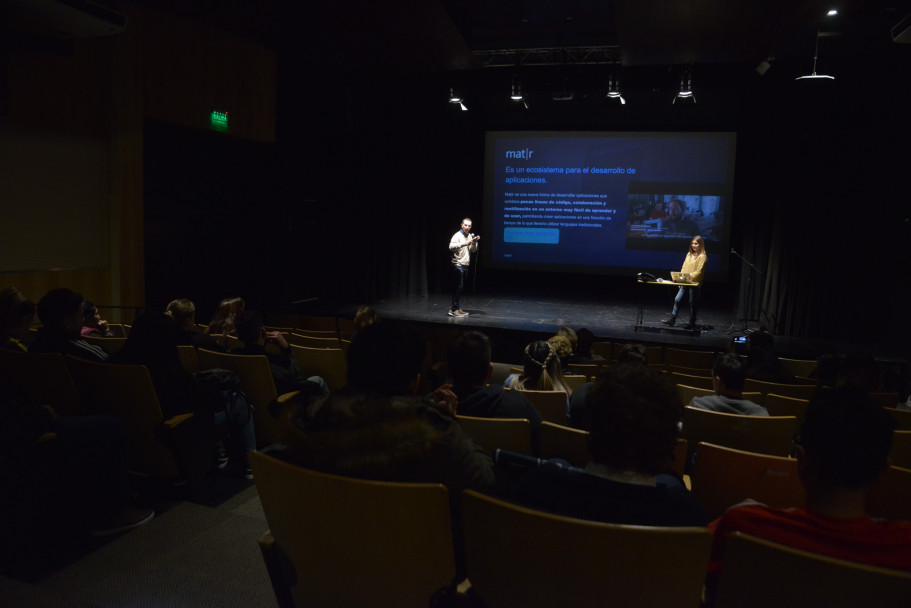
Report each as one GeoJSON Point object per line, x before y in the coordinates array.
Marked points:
{"type": "Point", "coordinates": [671, 158]}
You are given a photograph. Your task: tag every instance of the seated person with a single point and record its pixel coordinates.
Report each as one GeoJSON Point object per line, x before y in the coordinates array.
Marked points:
{"type": "Point", "coordinates": [16, 315]}
{"type": "Point", "coordinates": [84, 468]}
{"type": "Point", "coordinates": [378, 428]}
{"type": "Point", "coordinates": [183, 312]}
{"type": "Point", "coordinates": [658, 212]}
{"type": "Point", "coordinates": [861, 371]}
{"type": "Point", "coordinates": [152, 342]}
{"type": "Point", "coordinates": [762, 360]}
{"type": "Point", "coordinates": [93, 324]}
{"type": "Point", "coordinates": [541, 372]}
{"type": "Point", "coordinates": [60, 311]}
{"type": "Point", "coordinates": [468, 360]}
{"type": "Point", "coordinates": [564, 349]}
{"type": "Point", "coordinates": [728, 375]}
{"type": "Point", "coordinates": [578, 414]}
{"type": "Point", "coordinates": [286, 373]}
{"type": "Point", "coordinates": [223, 320]}
{"type": "Point", "coordinates": [582, 350]}
{"type": "Point", "coordinates": [843, 447]}
{"type": "Point", "coordinates": [364, 316]}
{"type": "Point", "coordinates": [633, 413]}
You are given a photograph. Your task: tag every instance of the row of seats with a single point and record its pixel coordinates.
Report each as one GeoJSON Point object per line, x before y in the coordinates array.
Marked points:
{"type": "Point", "coordinates": [695, 359]}
{"type": "Point", "coordinates": [74, 386]}
{"type": "Point", "coordinates": [756, 446]}
{"type": "Point", "coordinates": [398, 538]}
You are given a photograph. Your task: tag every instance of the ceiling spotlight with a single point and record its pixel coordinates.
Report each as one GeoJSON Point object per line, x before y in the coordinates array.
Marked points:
{"type": "Point", "coordinates": [516, 90]}
{"type": "Point", "coordinates": [613, 90]}
{"type": "Point", "coordinates": [814, 75]}
{"type": "Point", "coordinates": [455, 98]}
{"type": "Point", "coordinates": [516, 93]}
{"type": "Point", "coordinates": [832, 12]}
{"type": "Point", "coordinates": [685, 94]}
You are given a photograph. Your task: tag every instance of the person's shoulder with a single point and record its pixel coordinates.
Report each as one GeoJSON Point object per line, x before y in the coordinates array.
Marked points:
{"type": "Point", "coordinates": [705, 402]}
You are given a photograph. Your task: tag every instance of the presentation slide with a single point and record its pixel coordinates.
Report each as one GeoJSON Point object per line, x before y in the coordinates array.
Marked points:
{"type": "Point", "coordinates": [610, 203]}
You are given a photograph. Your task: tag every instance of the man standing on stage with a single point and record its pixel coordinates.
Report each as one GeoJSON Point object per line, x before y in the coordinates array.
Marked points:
{"type": "Point", "coordinates": [461, 245]}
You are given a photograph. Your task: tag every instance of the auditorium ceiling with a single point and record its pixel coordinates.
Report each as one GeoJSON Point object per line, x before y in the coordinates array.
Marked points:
{"type": "Point", "coordinates": [428, 36]}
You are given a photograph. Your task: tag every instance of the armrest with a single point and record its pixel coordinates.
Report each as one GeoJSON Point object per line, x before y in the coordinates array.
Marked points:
{"type": "Point", "coordinates": [175, 421]}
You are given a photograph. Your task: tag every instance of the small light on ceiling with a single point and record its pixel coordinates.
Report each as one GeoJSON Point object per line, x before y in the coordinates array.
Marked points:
{"type": "Point", "coordinates": [686, 89]}
{"type": "Point", "coordinates": [456, 98]}
{"type": "Point", "coordinates": [832, 12]}
{"type": "Point", "coordinates": [613, 90]}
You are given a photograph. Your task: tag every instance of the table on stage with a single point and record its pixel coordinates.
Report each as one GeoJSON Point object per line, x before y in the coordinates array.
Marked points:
{"type": "Point", "coordinates": [641, 312]}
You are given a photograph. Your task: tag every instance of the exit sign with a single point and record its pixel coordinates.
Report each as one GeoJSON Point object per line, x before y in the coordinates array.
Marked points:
{"type": "Point", "coordinates": [218, 120]}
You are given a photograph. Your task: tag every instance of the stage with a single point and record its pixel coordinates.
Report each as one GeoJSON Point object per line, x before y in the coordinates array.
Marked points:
{"type": "Point", "coordinates": [530, 318]}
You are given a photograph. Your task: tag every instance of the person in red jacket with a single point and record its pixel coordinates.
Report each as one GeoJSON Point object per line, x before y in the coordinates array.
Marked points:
{"type": "Point", "coordinates": [844, 446]}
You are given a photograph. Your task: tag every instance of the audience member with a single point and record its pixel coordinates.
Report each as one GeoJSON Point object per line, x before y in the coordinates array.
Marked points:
{"type": "Point", "coordinates": [762, 360]}
{"type": "Point", "coordinates": [183, 312]}
{"type": "Point", "coordinates": [728, 375]}
{"type": "Point", "coordinates": [225, 314]}
{"type": "Point", "coordinates": [468, 358]}
{"type": "Point", "coordinates": [634, 414]}
{"type": "Point", "coordinates": [843, 447]}
{"type": "Point", "coordinates": [92, 323]}
{"type": "Point", "coordinates": [153, 342]}
{"type": "Point", "coordinates": [16, 316]}
{"type": "Point", "coordinates": [60, 311]}
{"type": "Point", "coordinates": [286, 373]}
{"type": "Point", "coordinates": [82, 470]}
{"type": "Point", "coordinates": [582, 353]}
{"type": "Point", "coordinates": [634, 354]}
{"type": "Point", "coordinates": [541, 372]}
{"type": "Point", "coordinates": [363, 317]}
{"type": "Point", "coordinates": [564, 349]}
{"type": "Point", "coordinates": [377, 428]}
{"type": "Point", "coordinates": [861, 371]}
{"type": "Point", "coordinates": [569, 334]}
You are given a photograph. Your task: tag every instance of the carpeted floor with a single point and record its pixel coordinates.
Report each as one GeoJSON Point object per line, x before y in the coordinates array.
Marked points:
{"type": "Point", "coordinates": [189, 556]}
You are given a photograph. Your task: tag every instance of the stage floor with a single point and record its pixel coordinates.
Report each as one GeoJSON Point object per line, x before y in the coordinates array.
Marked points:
{"type": "Point", "coordinates": [614, 321]}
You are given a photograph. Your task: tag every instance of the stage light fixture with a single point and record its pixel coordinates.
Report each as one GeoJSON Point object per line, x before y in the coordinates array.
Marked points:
{"type": "Point", "coordinates": [832, 12]}
{"type": "Point", "coordinates": [685, 94]}
{"type": "Point", "coordinates": [456, 98]}
{"type": "Point", "coordinates": [516, 94]}
{"type": "Point", "coordinates": [613, 90]}
{"type": "Point", "coordinates": [814, 75]}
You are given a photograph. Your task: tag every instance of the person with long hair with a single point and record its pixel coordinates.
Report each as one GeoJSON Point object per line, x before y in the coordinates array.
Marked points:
{"type": "Point", "coordinates": [541, 372]}
{"type": "Point", "coordinates": [225, 314]}
{"type": "Point", "coordinates": [694, 265]}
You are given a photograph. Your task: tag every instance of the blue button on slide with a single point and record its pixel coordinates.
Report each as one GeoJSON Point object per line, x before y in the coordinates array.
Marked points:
{"type": "Point", "coordinates": [546, 236]}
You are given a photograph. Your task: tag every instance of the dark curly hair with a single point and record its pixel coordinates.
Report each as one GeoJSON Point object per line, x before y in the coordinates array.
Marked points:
{"type": "Point", "coordinates": [633, 413]}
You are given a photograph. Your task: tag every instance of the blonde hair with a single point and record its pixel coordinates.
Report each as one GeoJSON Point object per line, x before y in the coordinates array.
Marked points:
{"type": "Point", "coordinates": [569, 334]}
{"type": "Point", "coordinates": [562, 345]}
{"type": "Point", "coordinates": [542, 371]}
{"type": "Point", "coordinates": [181, 310]}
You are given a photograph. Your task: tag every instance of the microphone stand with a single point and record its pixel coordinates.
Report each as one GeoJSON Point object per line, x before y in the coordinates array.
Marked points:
{"type": "Point", "coordinates": [749, 308]}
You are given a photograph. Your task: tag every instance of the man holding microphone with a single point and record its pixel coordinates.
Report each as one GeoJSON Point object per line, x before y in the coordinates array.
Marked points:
{"type": "Point", "coordinates": [462, 244]}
